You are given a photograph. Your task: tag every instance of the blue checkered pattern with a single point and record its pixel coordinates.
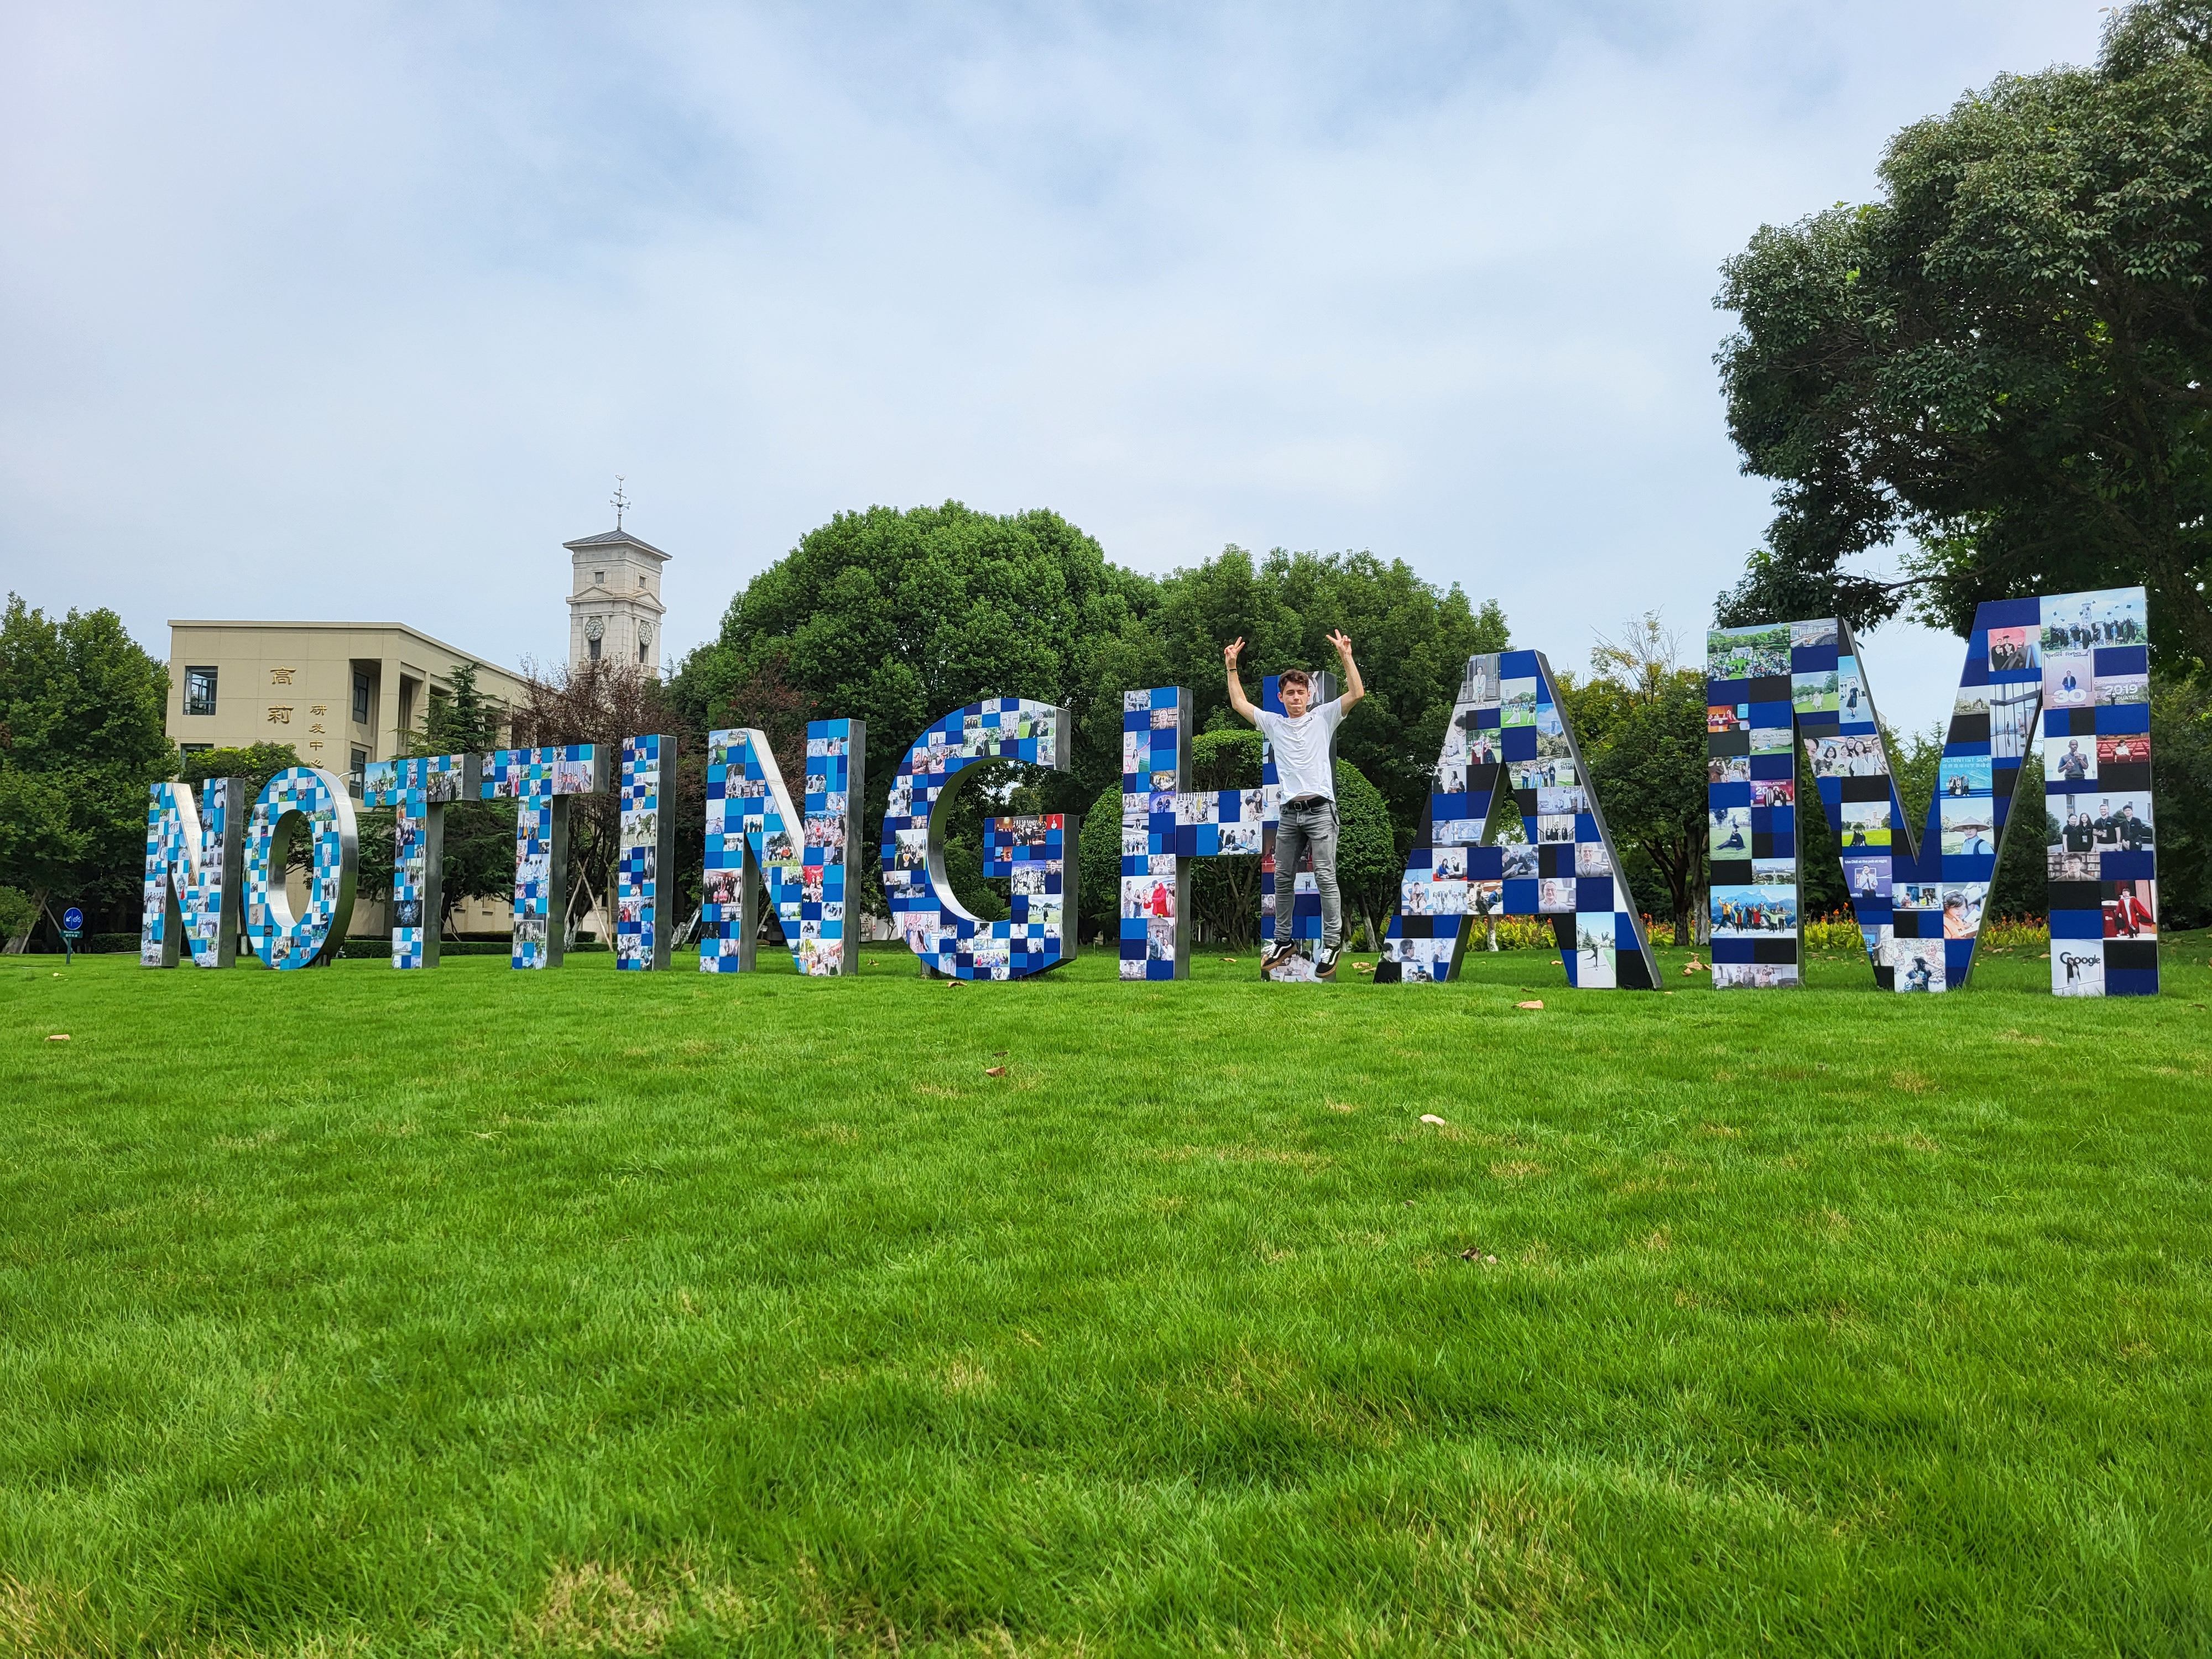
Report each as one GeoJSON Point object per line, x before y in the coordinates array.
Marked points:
{"type": "Point", "coordinates": [1509, 727]}
{"type": "Point", "coordinates": [1155, 743]}
{"type": "Point", "coordinates": [2096, 707]}
{"type": "Point", "coordinates": [1035, 855]}
{"type": "Point", "coordinates": [278, 938]}
{"type": "Point", "coordinates": [540, 782]}
{"type": "Point", "coordinates": [1164, 827]}
{"type": "Point", "coordinates": [647, 849]}
{"type": "Point", "coordinates": [418, 790]}
{"type": "Point", "coordinates": [948, 939]}
{"type": "Point", "coordinates": [756, 838]}
{"type": "Point", "coordinates": [2080, 660]}
{"type": "Point", "coordinates": [1759, 681]}
{"type": "Point", "coordinates": [193, 852]}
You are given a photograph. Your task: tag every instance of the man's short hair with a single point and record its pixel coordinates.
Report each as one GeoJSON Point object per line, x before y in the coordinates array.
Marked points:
{"type": "Point", "coordinates": [1294, 676]}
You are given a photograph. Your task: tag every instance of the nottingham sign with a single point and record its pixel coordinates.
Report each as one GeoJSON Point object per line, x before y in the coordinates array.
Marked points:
{"type": "Point", "coordinates": [2073, 668]}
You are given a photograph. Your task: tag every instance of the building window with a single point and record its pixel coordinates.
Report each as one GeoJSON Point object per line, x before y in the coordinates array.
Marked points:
{"type": "Point", "coordinates": [360, 697]}
{"type": "Point", "coordinates": [599, 579]}
{"type": "Point", "coordinates": [199, 690]}
{"type": "Point", "coordinates": [195, 748]}
{"type": "Point", "coordinates": [594, 644]}
{"type": "Point", "coordinates": [357, 771]}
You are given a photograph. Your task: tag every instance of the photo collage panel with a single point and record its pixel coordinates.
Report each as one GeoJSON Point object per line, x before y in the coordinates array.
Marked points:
{"type": "Point", "coordinates": [1035, 855]}
{"type": "Point", "coordinates": [1765, 686]}
{"type": "Point", "coordinates": [1164, 826]}
{"type": "Point", "coordinates": [2099, 824]}
{"type": "Point", "coordinates": [762, 844]}
{"type": "Point", "coordinates": [276, 936]}
{"type": "Point", "coordinates": [937, 927]}
{"type": "Point", "coordinates": [645, 850]}
{"type": "Point", "coordinates": [2079, 659]}
{"type": "Point", "coordinates": [540, 782]}
{"type": "Point", "coordinates": [195, 860]}
{"type": "Point", "coordinates": [417, 791]}
{"type": "Point", "coordinates": [1508, 731]}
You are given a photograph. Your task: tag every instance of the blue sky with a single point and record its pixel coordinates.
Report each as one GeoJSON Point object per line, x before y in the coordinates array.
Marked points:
{"type": "Point", "coordinates": [355, 311]}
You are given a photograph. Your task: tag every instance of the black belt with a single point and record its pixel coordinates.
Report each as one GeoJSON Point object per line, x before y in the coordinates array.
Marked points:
{"type": "Point", "coordinates": [1305, 800]}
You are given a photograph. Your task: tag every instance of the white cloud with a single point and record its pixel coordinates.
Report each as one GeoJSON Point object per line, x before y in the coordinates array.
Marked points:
{"type": "Point", "coordinates": [356, 312]}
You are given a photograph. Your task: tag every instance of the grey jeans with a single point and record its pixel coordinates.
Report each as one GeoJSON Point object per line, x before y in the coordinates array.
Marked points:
{"type": "Point", "coordinates": [1300, 829]}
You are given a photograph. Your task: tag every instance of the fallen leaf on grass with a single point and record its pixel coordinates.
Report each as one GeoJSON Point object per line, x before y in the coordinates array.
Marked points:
{"type": "Point", "coordinates": [1693, 966]}
{"type": "Point", "coordinates": [1430, 1117]}
{"type": "Point", "coordinates": [59, 1036]}
{"type": "Point", "coordinates": [1472, 1254]}
{"type": "Point", "coordinates": [1000, 1053]}
{"type": "Point", "coordinates": [1538, 1003]}
{"type": "Point", "coordinates": [1230, 961]}
{"type": "Point", "coordinates": [995, 1071]}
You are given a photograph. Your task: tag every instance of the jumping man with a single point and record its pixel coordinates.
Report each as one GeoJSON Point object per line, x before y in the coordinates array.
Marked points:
{"type": "Point", "coordinates": [1300, 736]}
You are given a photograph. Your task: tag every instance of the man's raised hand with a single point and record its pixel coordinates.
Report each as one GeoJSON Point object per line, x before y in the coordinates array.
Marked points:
{"type": "Point", "coordinates": [1229, 652]}
{"type": "Point", "coordinates": [1355, 688]}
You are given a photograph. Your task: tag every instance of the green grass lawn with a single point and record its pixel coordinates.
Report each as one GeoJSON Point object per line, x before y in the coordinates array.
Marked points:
{"type": "Point", "coordinates": [484, 1312]}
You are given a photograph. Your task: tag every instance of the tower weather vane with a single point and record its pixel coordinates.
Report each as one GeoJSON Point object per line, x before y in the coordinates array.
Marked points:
{"type": "Point", "coordinates": [620, 501]}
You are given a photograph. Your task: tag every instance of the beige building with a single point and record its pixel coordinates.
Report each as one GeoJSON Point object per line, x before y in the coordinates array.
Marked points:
{"type": "Point", "coordinates": [345, 694]}
{"type": "Point", "coordinates": [342, 694]}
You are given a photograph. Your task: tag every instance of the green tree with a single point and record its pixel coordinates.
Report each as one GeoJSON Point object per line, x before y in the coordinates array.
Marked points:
{"type": "Point", "coordinates": [257, 762]}
{"type": "Point", "coordinates": [1412, 640]}
{"type": "Point", "coordinates": [478, 835]}
{"type": "Point", "coordinates": [2181, 744]}
{"type": "Point", "coordinates": [1640, 722]}
{"type": "Point", "coordinates": [82, 737]}
{"type": "Point", "coordinates": [1098, 861]}
{"type": "Point", "coordinates": [1224, 893]}
{"type": "Point", "coordinates": [2008, 358]}
{"type": "Point", "coordinates": [897, 617]}
{"type": "Point", "coordinates": [1367, 860]}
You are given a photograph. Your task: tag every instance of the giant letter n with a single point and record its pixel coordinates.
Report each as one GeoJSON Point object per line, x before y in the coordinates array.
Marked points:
{"type": "Point", "coordinates": [194, 859]}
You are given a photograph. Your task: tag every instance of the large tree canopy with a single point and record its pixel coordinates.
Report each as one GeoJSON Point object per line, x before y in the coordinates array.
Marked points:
{"type": "Point", "coordinates": [897, 617]}
{"type": "Point", "coordinates": [2007, 359]}
{"type": "Point", "coordinates": [82, 736]}
{"type": "Point", "coordinates": [1412, 640]}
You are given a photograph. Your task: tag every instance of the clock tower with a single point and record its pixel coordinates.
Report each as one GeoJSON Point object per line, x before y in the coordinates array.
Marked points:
{"type": "Point", "coordinates": [614, 601]}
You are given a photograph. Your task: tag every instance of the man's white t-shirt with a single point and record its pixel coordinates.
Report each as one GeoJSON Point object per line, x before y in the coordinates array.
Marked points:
{"type": "Point", "coordinates": [1301, 747]}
